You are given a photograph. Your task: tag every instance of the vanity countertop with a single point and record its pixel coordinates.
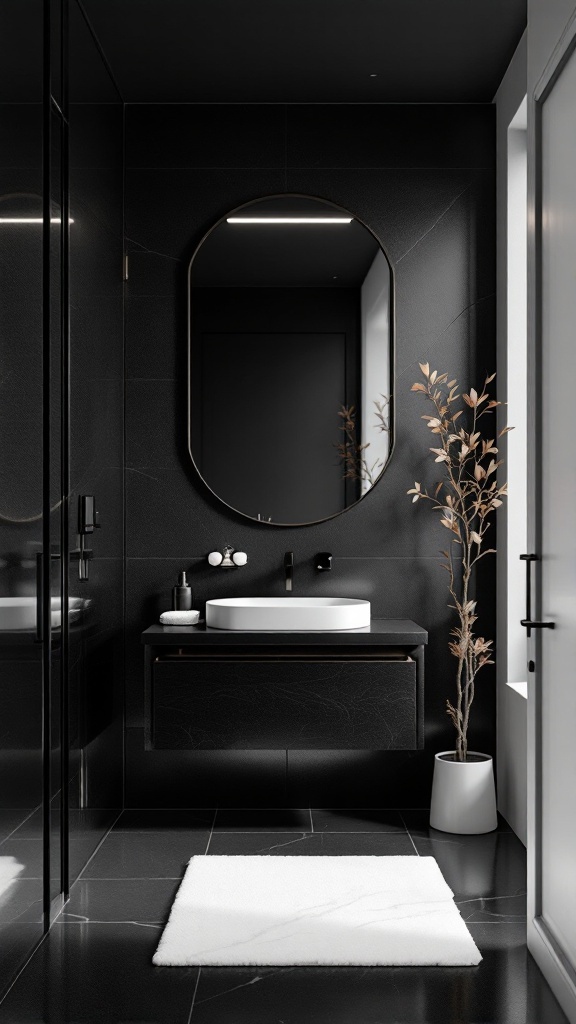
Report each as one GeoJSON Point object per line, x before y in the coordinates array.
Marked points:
{"type": "Point", "coordinates": [382, 632]}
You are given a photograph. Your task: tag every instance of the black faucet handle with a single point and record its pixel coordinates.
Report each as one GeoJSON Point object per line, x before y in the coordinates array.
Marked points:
{"type": "Point", "coordinates": [323, 561]}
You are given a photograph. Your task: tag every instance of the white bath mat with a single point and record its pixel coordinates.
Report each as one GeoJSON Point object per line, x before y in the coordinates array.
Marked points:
{"type": "Point", "coordinates": [367, 911]}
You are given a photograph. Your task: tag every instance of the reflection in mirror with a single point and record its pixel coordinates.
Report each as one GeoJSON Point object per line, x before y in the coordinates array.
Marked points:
{"type": "Point", "coordinates": [21, 479]}
{"type": "Point", "coordinates": [290, 412]}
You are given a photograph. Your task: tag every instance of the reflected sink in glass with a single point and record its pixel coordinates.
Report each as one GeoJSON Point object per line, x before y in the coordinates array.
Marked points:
{"type": "Point", "coordinates": [287, 613]}
{"type": "Point", "coordinates": [20, 612]}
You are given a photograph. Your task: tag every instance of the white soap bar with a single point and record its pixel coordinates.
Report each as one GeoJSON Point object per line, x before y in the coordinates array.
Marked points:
{"type": "Point", "coordinates": [179, 618]}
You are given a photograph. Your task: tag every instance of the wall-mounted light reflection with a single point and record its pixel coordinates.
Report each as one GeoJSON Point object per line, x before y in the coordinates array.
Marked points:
{"type": "Point", "coordinates": [32, 220]}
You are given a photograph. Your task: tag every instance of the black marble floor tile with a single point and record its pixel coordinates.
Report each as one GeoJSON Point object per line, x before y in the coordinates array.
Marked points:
{"type": "Point", "coordinates": [164, 819]}
{"type": "Point", "coordinates": [267, 819]}
{"type": "Point", "coordinates": [146, 855]}
{"type": "Point", "coordinates": [29, 853]}
{"type": "Point", "coordinates": [417, 820]}
{"type": "Point", "coordinates": [367, 819]}
{"type": "Point", "coordinates": [318, 844]}
{"type": "Point", "coordinates": [21, 898]}
{"type": "Point", "coordinates": [11, 818]}
{"type": "Point", "coordinates": [120, 901]}
{"type": "Point", "coordinates": [487, 873]}
{"type": "Point", "coordinates": [506, 988]}
{"type": "Point", "coordinates": [100, 974]}
{"type": "Point", "coordinates": [102, 971]}
{"type": "Point", "coordinates": [17, 940]}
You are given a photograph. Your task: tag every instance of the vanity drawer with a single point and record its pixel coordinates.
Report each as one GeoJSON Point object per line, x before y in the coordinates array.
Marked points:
{"type": "Point", "coordinates": [270, 704]}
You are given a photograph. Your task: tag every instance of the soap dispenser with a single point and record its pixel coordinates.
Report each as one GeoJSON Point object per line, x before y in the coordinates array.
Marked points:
{"type": "Point", "coordinates": [182, 595]}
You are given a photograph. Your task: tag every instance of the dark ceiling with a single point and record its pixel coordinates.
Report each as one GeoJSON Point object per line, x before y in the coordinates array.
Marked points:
{"type": "Point", "coordinates": [308, 51]}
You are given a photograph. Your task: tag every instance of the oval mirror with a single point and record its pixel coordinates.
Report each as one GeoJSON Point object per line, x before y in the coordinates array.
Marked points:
{"type": "Point", "coordinates": [290, 360]}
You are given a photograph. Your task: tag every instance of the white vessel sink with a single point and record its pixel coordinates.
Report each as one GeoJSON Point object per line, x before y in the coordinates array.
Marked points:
{"type": "Point", "coordinates": [287, 613]}
{"type": "Point", "coordinates": [20, 612]}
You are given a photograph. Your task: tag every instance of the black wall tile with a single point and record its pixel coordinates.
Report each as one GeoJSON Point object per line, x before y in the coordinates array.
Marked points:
{"type": "Point", "coordinates": [400, 205]}
{"type": "Point", "coordinates": [389, 135]}
{"type": "Point", "coordinates": [152, 435]}
{"type": "Point", "coordinates": [177, 135]}
{"type": "Point", "coordinates": [152, 273]}
{"type": "Point", "coordinates": [155, 337]}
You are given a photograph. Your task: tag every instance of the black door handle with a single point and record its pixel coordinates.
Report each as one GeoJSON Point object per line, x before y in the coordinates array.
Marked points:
{"type": "Point", "coordinates": [529, 622]}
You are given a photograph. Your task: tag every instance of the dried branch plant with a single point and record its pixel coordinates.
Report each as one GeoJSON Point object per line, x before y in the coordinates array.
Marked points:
{"type": "Point", "coordinates": [353, 454]}
{"type": "Point", "coordinates": [466, 498]}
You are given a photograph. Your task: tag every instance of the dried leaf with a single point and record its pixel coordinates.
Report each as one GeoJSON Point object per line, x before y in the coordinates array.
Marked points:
{"type": "Point", "coordinates": [425, 367]}
{"type": "Point", "coordinates": [418, 387]}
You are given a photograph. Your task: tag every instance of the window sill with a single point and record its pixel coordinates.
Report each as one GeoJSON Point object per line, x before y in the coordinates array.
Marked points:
{"type": "Point", "coordinates": [521, 688]}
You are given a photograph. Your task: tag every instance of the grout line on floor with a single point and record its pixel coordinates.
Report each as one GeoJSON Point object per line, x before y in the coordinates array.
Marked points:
{"type": "Point", "coordinates": [315, 832]}
{"type": "Point", "coordinates": [165, 830]}
{"type": "Point", "coordinates": [23, 822]}
{"type": "Point", "coordinates": [409, 834]}
{"type": "Point", "coordinates": [194, 995]}
{"type": "Point", "coordinates": [209, 839]}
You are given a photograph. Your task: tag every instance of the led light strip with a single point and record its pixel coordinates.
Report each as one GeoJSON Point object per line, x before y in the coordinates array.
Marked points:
{"type": "Point", "coordinates": [288, 220]}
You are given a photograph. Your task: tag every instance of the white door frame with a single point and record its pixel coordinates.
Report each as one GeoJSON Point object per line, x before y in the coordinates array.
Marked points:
{"type": "Point", "coordinates": [546, 951]}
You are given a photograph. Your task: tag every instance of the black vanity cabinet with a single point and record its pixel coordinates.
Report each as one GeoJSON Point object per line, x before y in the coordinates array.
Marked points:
{"type": "Point", "coordinates": [210, 689]}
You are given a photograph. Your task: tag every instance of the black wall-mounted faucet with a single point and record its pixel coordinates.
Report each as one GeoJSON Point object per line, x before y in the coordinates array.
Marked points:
{"type": "Point", "coordinates": [288, 568]}
{"type": "Point", "coordinates": [323, 561]}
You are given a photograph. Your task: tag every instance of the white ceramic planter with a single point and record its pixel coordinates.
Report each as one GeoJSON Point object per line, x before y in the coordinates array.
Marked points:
{"type": "Point", "coordinates": [463, 795]}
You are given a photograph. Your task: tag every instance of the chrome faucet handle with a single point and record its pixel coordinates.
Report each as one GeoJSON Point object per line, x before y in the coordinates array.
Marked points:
{"type": "Point", "coordinates": [227, 558]}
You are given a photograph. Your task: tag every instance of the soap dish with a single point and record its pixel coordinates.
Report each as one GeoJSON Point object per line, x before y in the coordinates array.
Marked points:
{"type": "Point", "coordinates": [184, 618]}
